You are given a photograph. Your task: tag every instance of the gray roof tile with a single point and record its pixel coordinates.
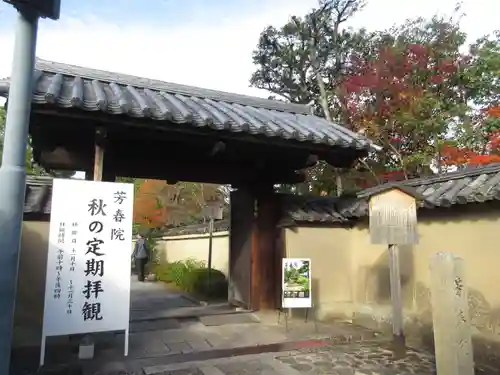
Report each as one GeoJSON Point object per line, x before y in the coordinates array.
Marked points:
{"type": "Point", "coordinates": [474, 185]}
{"type": "Point", "coordinates": [296, 208]}
{"type": "Point", "coordinates": [200, 229]}
{"type": "Point", "coordinates": [68, 86]}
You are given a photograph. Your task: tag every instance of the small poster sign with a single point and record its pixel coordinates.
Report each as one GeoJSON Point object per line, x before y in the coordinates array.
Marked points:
{"type": "Point", "coordinates": [88, 266]}
{"type": "Point", "coordinates": [296, 283]}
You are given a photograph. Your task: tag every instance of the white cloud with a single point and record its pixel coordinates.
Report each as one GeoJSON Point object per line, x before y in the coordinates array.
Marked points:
{"type": "Point", "coordinates": [216, 54]}
{"type": "Point", "coordinates": [480, 18]}
{"type": "Point", "coordinates": [212, 53]}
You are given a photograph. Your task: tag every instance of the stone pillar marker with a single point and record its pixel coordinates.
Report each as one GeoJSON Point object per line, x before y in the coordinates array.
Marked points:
{"type": "Point", "coordinates": [450, 316]}
{"type": "Point", "coordinates": [393, 221]}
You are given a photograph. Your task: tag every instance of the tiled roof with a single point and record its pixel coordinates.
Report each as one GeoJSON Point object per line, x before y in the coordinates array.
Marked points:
{"type": "Point", "coordinates": [68, 86]}
{"type": "Point", "coordinates": [475, 185]}
{"type": "Point", "coordinates": [219, 226]}
{"type": "Point", "coordinates": [296, 208]}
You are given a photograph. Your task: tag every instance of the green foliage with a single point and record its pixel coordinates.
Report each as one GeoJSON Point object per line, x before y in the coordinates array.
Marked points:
{"type": "Point", "coordinates": [290, 58]}
{"type": "Point", "coordinates": [178, 272]}
{"type": "Point", "coordinates": [198, 283]}
{"type": "Point", "coordinates": [191, 276]}
{"type": "Point", "coordinates": [298, 275]}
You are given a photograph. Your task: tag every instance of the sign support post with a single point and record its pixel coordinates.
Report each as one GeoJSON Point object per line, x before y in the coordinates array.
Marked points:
{"type": "Point", "coordinates": [13, 174]}
{"type": "Point", "coordinates": [296, 287]}
{"type": "Point", "coordinates": [13, 168]}
{"type": "Point", "coordinates": [393, 222]}
{"type": "Point", "coordinates": [213, 209]}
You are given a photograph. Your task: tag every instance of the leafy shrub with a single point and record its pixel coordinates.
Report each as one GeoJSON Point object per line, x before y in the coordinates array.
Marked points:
{"type": "Point", "coordinates": [198, 283]}
{"type": "Point", "coordinates": [192, 276]}
{"type": "Point", "coordinates": [178, 272]}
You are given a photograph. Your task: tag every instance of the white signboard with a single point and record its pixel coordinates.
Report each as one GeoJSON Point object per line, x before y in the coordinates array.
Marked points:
{"type": "Point", "coordinates": [88, 266]}
{"type": "Point", "coordinates": [296, 283]}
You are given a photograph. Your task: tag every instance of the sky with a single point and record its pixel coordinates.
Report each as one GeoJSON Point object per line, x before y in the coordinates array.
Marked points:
{"type": "Point", "coordinates": [205, 43]}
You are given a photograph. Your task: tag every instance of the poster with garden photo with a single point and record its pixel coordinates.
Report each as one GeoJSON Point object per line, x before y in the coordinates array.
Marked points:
{"type": "Point", "coordinates": [296, 283]}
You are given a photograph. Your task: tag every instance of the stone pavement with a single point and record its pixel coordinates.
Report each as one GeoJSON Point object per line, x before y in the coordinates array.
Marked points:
{"type": "Point", "coordinates": [164, 322]}
{"type": "Point", "coordinates": [149, 300]}
{"type": "Point", "coordinates": [343, 359]}
{"type": "Point", "coordinates": [167, 327]}
{"type": "Point", "coordinates": [174, 335]}
{"type": "Point", "coordinates": [153, 300]}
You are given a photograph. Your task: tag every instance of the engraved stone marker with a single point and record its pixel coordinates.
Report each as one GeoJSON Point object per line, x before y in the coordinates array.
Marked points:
{"type": "Point", "coordinates": [450, 315]}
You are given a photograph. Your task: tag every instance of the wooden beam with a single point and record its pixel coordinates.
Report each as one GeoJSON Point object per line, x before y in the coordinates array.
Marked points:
{"type": "Point", "coordinates": [100, 137]}
{"type": "Point", "coordinates": [239, 173]}
{"type": "Point", "coordinates": [47, 116]}
{"type": "Point", "coordinates": [173, 166]}
{"type": "Point", "coordinates": [98, 163]}
{"type": "Point", "coordinates": [62, 159]}
{"type": "Point", "coordinates": [217, 175]}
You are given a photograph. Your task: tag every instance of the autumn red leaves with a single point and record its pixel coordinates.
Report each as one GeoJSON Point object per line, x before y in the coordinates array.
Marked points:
{"type": "Point", "coordinates": [149, 211]}
{"type": "Point", "coordinates": [392, 96]}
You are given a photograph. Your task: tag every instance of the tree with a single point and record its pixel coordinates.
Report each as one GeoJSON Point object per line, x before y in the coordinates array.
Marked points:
{"type": "Point", "coordinates": [185, 200]}
{"type": "Point", "coordinates": [149, 211]}
{"type": "Point", "coordinates": [409, 88]}
{"type": "Point", "coordinates": [305, 60]}
{"type": "Point", "coordinates": [292, 61]}
{"type": "Point", "coordinates": [476, 140]}
{"type": "Point", "coordinates": [158, 204]}
{"type": "Point", "coordinates": [489, 150]}
{"type": "Point", "coordinates": [400, 100]}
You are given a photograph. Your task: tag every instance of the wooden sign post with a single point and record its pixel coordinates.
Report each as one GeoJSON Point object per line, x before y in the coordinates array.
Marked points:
{"type": "Point", "coordinates": [393, 222]}
{"type": "Point", "coordinates": [214, 210]}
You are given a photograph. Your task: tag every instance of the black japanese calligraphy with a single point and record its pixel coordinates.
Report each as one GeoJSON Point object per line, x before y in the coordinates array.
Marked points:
{"type": "Point", "coordinates": [119, 216]}
{"type": "Point", "coordinates": [96, 227]}
{"type": "Point", "coordinates": [72, 260]}
{"type": "Point", "coordinates": [61, 234]}
{"type": "Point", "coordinates": [94, 267]}
{"type": "Point", "coordinates": [118, 234]}
{"type": "Point", "coordinates": [59, 267]}
{"type": "Point", "coordinates": [69, 303]}
{"type": "Point", "coordinates": [459, 286]}
{"type": "Point", "coordinates": [92, 289]}
{"type": "Point", "coordinates": [60, 258]}
{"type": "Point", "coordinates": [93, 246]}
{"type": "Point", "coordinates": [91, 311]}
{"type": "Point", "coordinates": [96, 207]}
{"type": "Point", "coordinates": [461, 316]}
{"type": "Point", "coordinates": [120, 196]}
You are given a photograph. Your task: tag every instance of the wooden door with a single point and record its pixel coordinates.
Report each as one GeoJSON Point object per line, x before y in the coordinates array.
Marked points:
{"type": "Point", "coordinates": [240, 248]}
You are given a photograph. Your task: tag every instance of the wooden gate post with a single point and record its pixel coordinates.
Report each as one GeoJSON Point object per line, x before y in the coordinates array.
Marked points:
{"type": "Point", "coordinates": [264, 267]}
{"type": "Point", "coordinates": [240, 247]}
